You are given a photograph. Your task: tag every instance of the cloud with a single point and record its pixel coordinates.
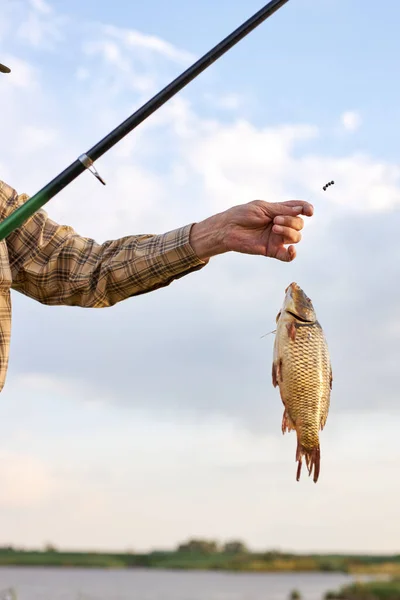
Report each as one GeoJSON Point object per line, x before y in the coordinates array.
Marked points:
{"type": "Point", "coordinates": [39, 27]}
{"type": "Point", "coordinates": [235, 484]}
{"type": "Point", "coordinates": [351, 120]}
{"type": "Point", "coordinates": [209, 167]}
{"type": "Point", "coordinates": [136, 40]}
{"type": "Point", "coordinates": [82, 73]}
{"type": "Point", "coordinates": [24, 74]}
{"type": "Point", "coordinates": [230, 102]}
{"type": "Point", "coordinates": [41, 6]}
{"type": "Point", "coordinates": [238, 161]}
{"type": "Point", "coordinates": [125, 60]}
{"type": "Point", "coordinates": [120, 406]}
{"type": "Point", "coordinates": [35, 139]}
{"type": "Point", "coordinates": [26, 481]}
{"type": "Point", "coordinates": [112, 56]}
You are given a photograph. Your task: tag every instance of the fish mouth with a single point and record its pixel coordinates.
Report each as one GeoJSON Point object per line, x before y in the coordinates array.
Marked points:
{"type": "Point", "coordinates": [298, 304]}
{"type": "Point", "coordinates": [298, 318]}
{"type": "Point", "coordinates": [296, 292]}
{"type": "Point", "coordinates": [291, 286]}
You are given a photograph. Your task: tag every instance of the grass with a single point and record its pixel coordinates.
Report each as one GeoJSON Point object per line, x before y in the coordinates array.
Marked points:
{"type": "Point", "coordinates": [202, 560]}
{"type": "Point", "coordinates": [373, 590]}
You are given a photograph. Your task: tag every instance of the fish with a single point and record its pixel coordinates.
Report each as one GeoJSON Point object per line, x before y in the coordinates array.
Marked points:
{"type": "Point", "coordinates": [302, 370]}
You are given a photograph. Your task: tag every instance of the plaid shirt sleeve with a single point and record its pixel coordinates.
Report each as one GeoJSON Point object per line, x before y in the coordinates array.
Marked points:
{"type": "Point", "coordinates": [54, 265]}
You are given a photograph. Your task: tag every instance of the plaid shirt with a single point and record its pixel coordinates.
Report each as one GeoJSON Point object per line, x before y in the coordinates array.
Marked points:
{"type": "Point", "coordinates": [54, 265]}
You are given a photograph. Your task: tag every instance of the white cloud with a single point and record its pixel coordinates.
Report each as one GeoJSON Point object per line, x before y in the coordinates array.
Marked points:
{"type": "Point", "coordinates": [351, 120]}
{"type": "Point", "coordinates": [41, 31]}
{"type": "Point", "coordinates": [25, 481]}
{"type": "Point", "coordinates": [225, 101]}
{"type": "Point", "coordinates": [107, 457]}
{"type": "Point", "coordinates": [150, 43]}
{"type": "Point", "coordinates": [209, 417]}
{"type": "Point", "coordinates": [114, 56]}
{"type": "Point", "coordinates": [230, 101]}
{"type": "Point", "coordinates": [41, 6]}
{"type": "Point", "coordinates": [238, 161]}
{"type": "Point", "coordinates": [24, 75]}
{"type": "Point", "coordinates": [82, 74]}
{"type": "Point", "coordinates": [35, 139]}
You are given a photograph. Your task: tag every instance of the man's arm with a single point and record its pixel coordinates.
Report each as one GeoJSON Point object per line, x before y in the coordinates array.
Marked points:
{"type": "Point", "coordinates": [54, 265]}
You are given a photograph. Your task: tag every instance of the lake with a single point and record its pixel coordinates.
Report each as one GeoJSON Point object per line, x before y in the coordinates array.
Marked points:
{"type": "Point", "coordinates": [148, 584]}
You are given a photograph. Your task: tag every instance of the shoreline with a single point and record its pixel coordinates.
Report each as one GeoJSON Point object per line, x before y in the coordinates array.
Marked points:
{"type": "Point", "coordinates": [212, 562]}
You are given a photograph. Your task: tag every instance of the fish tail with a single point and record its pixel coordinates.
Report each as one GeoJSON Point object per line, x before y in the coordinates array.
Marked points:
{"type": "Point", "coordinates": [312, 458]}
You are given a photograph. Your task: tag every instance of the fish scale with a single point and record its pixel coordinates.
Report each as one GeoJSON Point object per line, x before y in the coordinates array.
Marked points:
{"type": "Point", "coordinates": [302, 370]}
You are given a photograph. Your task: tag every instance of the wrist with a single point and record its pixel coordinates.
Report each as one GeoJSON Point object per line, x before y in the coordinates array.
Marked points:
{"type": "Point", "coordinates": [207, 237]}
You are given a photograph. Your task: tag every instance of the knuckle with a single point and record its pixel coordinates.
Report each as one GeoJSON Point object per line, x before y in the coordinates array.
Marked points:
{"type": "Point", "coordinates": [293, 236]}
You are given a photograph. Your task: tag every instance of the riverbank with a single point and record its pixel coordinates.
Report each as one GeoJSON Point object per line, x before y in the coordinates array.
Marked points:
{"type": "Point", "coordinates": [223, 561]}
{"type": "Point", "coordinates": [372, 590]}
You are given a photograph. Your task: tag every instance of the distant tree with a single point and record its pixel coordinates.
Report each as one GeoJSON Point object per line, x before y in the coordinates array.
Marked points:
{"type": "Point", "coordinates": [199, 547]}
{"type": "Point", "coordinates": [235, 547]}
{"type": "Point", "coordinates": [50, 548]}
{"type": "Point", "coordinates": [295, 595]}
{"type": "Point", "coordinates": [272, 555]}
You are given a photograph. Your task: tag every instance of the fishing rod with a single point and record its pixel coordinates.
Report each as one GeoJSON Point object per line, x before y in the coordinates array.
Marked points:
{"type": "Point", "coordinates": [86, 160]}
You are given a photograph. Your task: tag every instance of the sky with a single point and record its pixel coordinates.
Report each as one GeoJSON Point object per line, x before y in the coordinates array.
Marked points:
{"type": "Point", "coordinates": [142, 425]}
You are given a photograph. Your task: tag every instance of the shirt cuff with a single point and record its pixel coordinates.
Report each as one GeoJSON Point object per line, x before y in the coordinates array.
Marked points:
{"type": "Point", "coordinates": [174, 253]}
{"type": "Point", "coordinates": [160, 259]}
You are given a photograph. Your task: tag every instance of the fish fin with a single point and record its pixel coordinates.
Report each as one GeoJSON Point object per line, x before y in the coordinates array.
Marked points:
{"type": "Point", "coordinates": [274, 375]}
{"type": "Point", "coordinates": [313, 460]}
{"type": "Point", "coordinates": [291, 327]}
{"type": "Point", "coordinates": [287, 423]}
{"type": "Point", "coordinates": [298, 470]}
{"type": "Point", "coordinates": [276, 372]}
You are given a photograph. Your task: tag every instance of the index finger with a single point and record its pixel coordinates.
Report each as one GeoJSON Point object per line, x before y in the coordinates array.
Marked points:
{"type": "Point", "coordinates": [300, 207]}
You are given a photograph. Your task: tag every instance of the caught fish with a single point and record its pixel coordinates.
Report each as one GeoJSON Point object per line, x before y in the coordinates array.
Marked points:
{"type": "Point", "coordinates": [302, 370]}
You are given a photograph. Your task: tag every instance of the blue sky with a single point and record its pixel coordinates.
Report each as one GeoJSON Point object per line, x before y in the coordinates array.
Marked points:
{"type": "Point", "coordinates": [303, 64]}
{"type": "Point", "coordinates": [182, 429]}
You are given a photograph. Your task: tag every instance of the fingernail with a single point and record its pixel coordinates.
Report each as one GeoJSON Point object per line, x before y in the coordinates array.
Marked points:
{"type": "Point", "coordinates": [278, 229]}
{"type": "Point", "coordinates": [298, 209]}
{"type": "Point", "coordinates": [279, 220]}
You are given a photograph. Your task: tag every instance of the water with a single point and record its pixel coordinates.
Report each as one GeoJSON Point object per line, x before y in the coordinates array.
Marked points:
{"type": "Point", "coordinates": [145, 584]}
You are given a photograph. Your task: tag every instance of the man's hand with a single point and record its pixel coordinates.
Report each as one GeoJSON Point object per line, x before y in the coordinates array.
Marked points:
{"type": "Point", "coordinates": [263, 228]}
